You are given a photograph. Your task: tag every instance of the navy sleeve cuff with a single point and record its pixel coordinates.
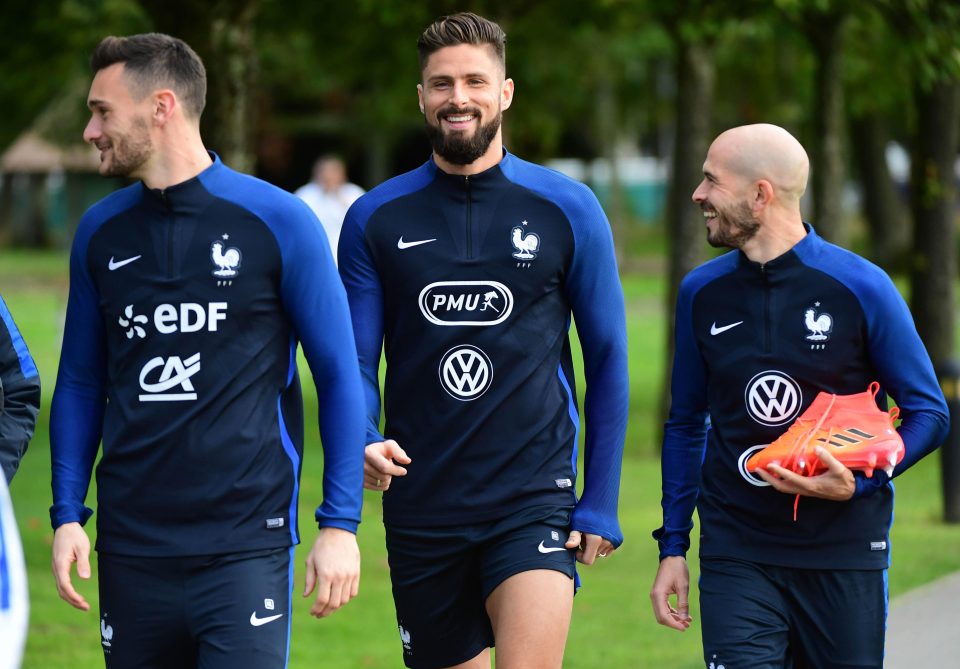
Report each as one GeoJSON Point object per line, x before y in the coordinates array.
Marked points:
{"type": "Point", "coordinates": [869, 486]}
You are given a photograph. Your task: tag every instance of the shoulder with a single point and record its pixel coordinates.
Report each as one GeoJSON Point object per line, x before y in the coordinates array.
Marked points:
{"type": "Point", "coordinates": [113, 204]}
{"type": "Point", "coordinates": [574, 198]}
{"type": "Point", "coordinates": [266, 201]}
{"type": "Point", "coordinates": [105, 210]}
{"type": "Point", "coordinates": [864, 279]}
{"type": "Point", "coordinates": [392, 189]}
{"type": "Point", "coordinates": [710, 271]}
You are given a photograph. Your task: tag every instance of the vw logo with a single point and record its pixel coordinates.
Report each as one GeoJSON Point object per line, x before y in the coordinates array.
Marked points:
{"type": "Point", "coordinates": [465, 372]}
{"type": "Point", "coordinates": [773, 398]}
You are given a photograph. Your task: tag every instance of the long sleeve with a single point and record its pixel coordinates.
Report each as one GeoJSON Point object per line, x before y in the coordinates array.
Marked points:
{"type": "Point", "coordinates": [79, 398]}
{"type": "Point", "coordinates": [365, 295]}
{"type": "Point", "coordinates": [684, 434]}
{"type": "Point", "coordinates": [314, 298]}
{"type": "Point", "coordinates": [593, 286]}
{"type": "Point", "coordinates": [906, 374]}
{"type": "Point", "coordinates": [19, 394]}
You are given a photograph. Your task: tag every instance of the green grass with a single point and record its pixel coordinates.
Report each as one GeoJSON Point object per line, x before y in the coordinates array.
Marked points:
{"type": "Point", "coordinates": [613, 626]}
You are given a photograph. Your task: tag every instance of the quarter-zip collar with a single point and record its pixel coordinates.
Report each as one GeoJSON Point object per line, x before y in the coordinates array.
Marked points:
{"type": "Point", "coordinates": [185, 195]}
{"type": "Point", "coordinates": [792, 258]}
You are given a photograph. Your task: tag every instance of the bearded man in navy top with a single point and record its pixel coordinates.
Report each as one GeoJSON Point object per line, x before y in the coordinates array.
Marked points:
{"type": "Point", "coordinates": [466, 273]}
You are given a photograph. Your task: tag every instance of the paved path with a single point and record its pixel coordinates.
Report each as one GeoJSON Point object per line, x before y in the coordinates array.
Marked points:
{"type": "Point", "coordinates": [923, 627]}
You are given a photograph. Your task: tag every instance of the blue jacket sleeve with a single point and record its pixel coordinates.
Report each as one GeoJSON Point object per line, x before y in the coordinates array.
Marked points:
{"type": "Point", "coordinates": [19, 394]}
{"type": "Point", "coordinates": [685, 432]}
{"type": "Point", "coordinates": [905, 373]}
{"type": "Point", "coordinates": [362, 282]}
{"type": "Point", "coordinates": [596, 298]}
{"type": "Point", "coordinates": [79, 398]}
{"type": "Point", "coordinates": [315, 301]}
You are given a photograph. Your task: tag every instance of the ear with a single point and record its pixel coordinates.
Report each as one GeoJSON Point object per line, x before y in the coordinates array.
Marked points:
{"type": "Point", "coordinates": [506, 94]}
{"type": "Point", "coordinates": [420, 96]}
{"type": "Point", "coordinates": [164, 103]}
{"type": "Point", "coordinates": [763, 194]}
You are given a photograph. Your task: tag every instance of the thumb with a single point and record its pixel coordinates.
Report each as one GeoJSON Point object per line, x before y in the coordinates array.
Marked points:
{"type": "Point", "coordinates": [394, 452]}
{"type": "Point", "coordinates": [827, 458]}
{"type": "Point", "coordinates": [83, 564]}
{"type": "Point", "coordinates": [573, 541]}
{"type": "Point", "coordinates": [310, 581]}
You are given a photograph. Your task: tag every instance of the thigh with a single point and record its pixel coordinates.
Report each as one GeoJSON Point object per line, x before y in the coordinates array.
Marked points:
{"type": "Point", "coordinates": [436, 590]}
{"type": "Point", "coordinates": [743, 616]}
{"type": "Point", "coordinates": [528, 584]}
{"type": "Point", "coordinates": [240, 610]}
{"type": "Point", "coordinates": [142, 606]}
{"type": "Point", "coordinates": [530, 613]}
{"type": "Point", "coordinates": [838, 618]}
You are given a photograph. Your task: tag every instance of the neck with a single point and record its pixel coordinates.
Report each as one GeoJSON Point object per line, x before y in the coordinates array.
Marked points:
{"type": "Point", "coordinates": [490, 157]}
{"type": "Point", "coordinates": [178, 158]}
{"type": "Point", "coordinates": [775, 238]}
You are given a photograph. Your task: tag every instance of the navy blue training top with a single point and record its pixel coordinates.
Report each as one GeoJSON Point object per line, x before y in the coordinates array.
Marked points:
{"type": "Point", "coordinates": [755, 343]}
{"type": "Point", "coordinates": [19, 394]}
{"type": "Point", "coordinates": [186, 306]}
{"type": "Point", "coordinates": [468, 283]}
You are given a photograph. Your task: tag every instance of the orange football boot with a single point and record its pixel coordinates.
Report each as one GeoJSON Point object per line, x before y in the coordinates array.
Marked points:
{"type": "Point", "coordinates": [850, 427]}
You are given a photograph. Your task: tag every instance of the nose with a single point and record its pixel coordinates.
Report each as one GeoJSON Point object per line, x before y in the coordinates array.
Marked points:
{"type": "Point", "coordinates": [93, 129]}
{"type": "Point", "coordinates": [459, 94]}
{"type": "Point", "coordinates": [700, 194]}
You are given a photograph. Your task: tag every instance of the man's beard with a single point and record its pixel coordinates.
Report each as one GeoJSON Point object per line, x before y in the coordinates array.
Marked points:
{"type": "Point", "coordinates": [734, 229]}
{"type": "Point", "coordinates": [130, 152]}
{"type": "Point", "coordinates": [456, 147]}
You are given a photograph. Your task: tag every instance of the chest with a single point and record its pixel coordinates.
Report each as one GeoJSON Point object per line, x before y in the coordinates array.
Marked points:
{"type": "Point", "coordinates": [161, 277]}
{"type": "Point", "coordinates": [470, 256]}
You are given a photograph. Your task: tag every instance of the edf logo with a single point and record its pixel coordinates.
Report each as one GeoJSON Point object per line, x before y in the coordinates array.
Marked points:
{"type": "Point", "coordinates": [773, 398]}
{"type": "Point", "coordinates": [171, 318]}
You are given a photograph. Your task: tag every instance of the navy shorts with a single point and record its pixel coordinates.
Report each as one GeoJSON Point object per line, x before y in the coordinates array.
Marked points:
{"type": "Point", "coordinates": [209, 612]}
{"type": "Point", "coordinates": [764, 617]}
{"type": "Point", "coordinates": [442, 577]}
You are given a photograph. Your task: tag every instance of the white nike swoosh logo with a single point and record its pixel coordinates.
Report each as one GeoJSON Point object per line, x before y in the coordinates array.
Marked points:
{"type": "Point", "coordinates": [256, 622]}
{"type": "Point", "coordinates": [714, 330]}
{"type": "Point", "coordinates": [554, 549]}
{"type": "Point", "coordinates": [405, 245]}
{"type": "Point", "coordinates": [112, 265]}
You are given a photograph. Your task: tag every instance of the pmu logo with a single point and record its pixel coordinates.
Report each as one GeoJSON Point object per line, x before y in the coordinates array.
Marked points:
{"type": "Point", "coordinates": [174, 373]}
{"type": "Point", "coordinates": [773, 398]}
{"type": "Point", "coordinates": [479, 303]}
{"type": "Point", "coordinates": [465, 372]}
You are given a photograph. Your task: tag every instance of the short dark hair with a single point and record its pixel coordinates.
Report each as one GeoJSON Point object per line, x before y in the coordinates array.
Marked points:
{"type": "Point", "coordinates": [155, 60]}
{"type": "Point", "coordinates": [462, 28]}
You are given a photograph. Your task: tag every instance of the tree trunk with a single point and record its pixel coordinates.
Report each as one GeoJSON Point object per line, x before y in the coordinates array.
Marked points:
{"type": "Point", "coordinates": [221, 33]}
{"type": "Point", "coordinates": [885, 215]}
{"type": "Point", "coordinates": [685, 225]}
{"type": "Point", "coordinates": [933, 201]}
{"type": "Point", "coordinates": [827, 173]}
{"type": "Point", "coordinates": [609, 131]}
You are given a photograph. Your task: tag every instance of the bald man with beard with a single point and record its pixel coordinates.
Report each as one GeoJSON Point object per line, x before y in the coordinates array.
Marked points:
{"type": "Point", "coordinates": [781, 585]}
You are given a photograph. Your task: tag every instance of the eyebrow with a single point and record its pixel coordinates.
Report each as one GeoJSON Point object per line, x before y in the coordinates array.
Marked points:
{"type": "Point", "coordinates": [94, 102]}
{"type": "Point", "coordinates": [468, 75]}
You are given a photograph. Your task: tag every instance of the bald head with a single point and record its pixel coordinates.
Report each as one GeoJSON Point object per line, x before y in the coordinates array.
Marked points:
{"type": "Point", "coordinates": [764, 151]}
